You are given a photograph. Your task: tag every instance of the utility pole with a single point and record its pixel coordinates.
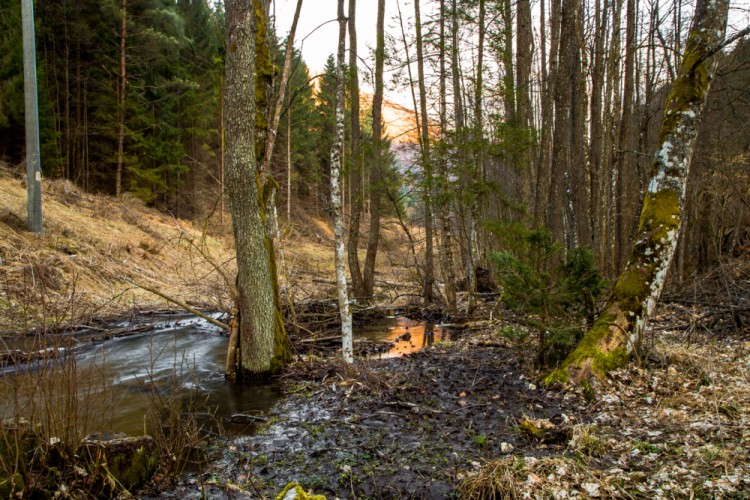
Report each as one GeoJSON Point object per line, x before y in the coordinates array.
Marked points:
{"type": "Point", "coordinates": [33, 160]}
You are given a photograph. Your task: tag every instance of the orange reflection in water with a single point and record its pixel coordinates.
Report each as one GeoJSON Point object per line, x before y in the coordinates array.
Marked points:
{"type": "Point", "coordinates": [408, 336]}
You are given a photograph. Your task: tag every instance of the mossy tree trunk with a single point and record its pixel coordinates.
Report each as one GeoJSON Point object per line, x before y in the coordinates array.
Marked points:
{"type": "Point", "coordinates": [619, 329]}
{"type": "Point", "coordinates": [263, 346]}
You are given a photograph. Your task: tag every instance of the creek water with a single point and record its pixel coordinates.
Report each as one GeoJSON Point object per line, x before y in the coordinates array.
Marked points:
{"type": "Point", "coordinates": [112, 385]}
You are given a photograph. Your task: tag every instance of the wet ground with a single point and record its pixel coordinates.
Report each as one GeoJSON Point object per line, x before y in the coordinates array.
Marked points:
{"type": "Point", "coordinates": [400, 427]}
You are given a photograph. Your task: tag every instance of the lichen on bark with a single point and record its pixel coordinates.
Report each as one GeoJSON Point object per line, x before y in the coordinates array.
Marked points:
{"type": "Point", "coordinates": [263, 347]}
{"type": "Point", "coordinates": [617, 332]}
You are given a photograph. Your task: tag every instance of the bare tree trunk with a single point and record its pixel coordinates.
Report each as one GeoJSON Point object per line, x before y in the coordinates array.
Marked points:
{"type": "Point", "coordinates": [619, 329]}
{"type": "Point", "coordinates": [355, 177]}
{"type": "Point", "coordinates": [377, 137]}
{"type": "Point", "coordinates": [429, 273]}
{"type": "Point", "coordinates": [289, 159]}
{"type": "Point", "coordinates": [595, 131]}
{"type": "Point", "coordinates": [273, 127]}
{"type": "Point", "coordinates": [562, 220]}
{"type": "Point", "coordinates": [608, 178]}
{"type": "Point", "coordinates": [338, 219]}
{"type": "Point", "coordinates": [627, 179]}
{"type": "Point", "coordinates": [524, 53]}
{"type": "Point", "coordinates": [222, 150]}
{"type": "Point", "coordinates": [443, 207]}
{"type": "Point", "coordinates": [544, 190]}
{"type": "Point", "coordinates": [462, 166]}
{"type": "Point", "coordinates": [264, 347]}
{"type": "Point", "coordinates": [121, 100]}
{"type": "Point", "coordinates": [479, 173]}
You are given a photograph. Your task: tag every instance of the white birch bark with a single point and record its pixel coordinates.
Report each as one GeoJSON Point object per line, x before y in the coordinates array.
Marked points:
{"type": "Point", "coordinates": [338, 221]}
{"type": "Point", "coordinates": [618, 330]}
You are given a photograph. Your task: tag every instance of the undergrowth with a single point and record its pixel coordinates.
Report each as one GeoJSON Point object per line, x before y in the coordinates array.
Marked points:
{"type": "Point", "coordinates": [556, 290]}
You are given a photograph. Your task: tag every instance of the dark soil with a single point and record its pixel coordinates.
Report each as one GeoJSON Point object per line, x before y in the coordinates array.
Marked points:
{"type": "Point", "coordinates": [404, 427]}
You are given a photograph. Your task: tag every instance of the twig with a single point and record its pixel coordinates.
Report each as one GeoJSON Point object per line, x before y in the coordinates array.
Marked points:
{"type": "Point", "coordinates": [181, 304]}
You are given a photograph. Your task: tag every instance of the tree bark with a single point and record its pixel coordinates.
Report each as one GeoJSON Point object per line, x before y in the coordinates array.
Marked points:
{"type": "Point", "coordinates": [274, 125]}
{"type": "Point", "coordinates": [121, 101]}
{"type": "Point", "coordinates": [619, 329]}
{"type": "Point", "coordinates": [443, 207]}
{"type": "Point", "coordinates": [524, 56]}
{"type": "Point", "coordinates": [373, 239]}
{"type": "Point", "coordinates": [627, 178]}
{"type": "Point", "coordinates": [263, 345]}
{"type": "Point", "coordinates": [429, 273]}
{"type": "Point", "coordinates": [478, 175]}
{"type": "Point", "coordinates": [338, 220]}
{"type": "Point", "coordinates": [355, 178]}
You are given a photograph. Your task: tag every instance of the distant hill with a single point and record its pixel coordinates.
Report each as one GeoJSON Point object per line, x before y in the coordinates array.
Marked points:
{"type": "Point", "coordinates": [400, 122]}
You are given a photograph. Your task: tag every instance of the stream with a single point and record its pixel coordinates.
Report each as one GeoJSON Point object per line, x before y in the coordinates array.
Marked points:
{"type": "Point", "coordinates": [111, 385]}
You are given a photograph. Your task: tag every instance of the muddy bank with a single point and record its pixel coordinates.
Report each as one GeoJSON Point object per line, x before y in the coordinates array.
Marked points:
{"type": "Point", "coordinates": [410, 426]}
{"type": "Point", "coordinates": [461, 419]}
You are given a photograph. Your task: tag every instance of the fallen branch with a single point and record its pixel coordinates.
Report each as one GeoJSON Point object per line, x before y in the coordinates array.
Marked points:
{"type": "Point", "coordinates": [181, 304]}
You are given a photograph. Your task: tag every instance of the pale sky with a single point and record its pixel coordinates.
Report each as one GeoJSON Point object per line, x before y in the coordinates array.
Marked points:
{"type": "Point", "coordinates": [321, 43]}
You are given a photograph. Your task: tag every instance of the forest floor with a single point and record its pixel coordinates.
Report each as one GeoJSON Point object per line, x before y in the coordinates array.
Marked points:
{"type": "Point", "coordinates": [464, 418]}
{"type": "Point", "coordinates": [470, 419]}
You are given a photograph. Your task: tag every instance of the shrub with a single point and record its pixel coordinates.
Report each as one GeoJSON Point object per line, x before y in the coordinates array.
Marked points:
{"type": "Point", "coordinates": [556, 290]}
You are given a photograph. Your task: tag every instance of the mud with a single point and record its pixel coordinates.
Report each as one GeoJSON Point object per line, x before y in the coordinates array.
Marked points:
{"type": "Point", "coordinates": [403, 427]}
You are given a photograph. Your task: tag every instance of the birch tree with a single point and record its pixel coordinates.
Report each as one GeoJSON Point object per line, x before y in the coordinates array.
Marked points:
{"type": "Point", "coordinates": [338, 220]}
{"type": "Point", "coordinates": [260, 343]}
{"type": "Point", "coordinates": [619, 329]}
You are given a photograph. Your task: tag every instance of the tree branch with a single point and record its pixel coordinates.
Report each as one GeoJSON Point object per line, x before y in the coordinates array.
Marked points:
{"type": "Point", "coordinates": [183, 305]}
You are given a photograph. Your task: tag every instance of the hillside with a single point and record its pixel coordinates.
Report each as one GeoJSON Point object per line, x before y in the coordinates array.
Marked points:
{"type": "Point", "coordinates": [93, 252]}
{"type": "Point", "coordinates": [96, 250]}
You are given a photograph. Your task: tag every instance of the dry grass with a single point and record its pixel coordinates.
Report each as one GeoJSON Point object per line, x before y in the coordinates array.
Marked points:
{"type": "Point", "coordinates": [92, 250]}
{"type": "Point", "coordinates": [548, 477]}
{"type": "Point", "coordinates": [95, 247]}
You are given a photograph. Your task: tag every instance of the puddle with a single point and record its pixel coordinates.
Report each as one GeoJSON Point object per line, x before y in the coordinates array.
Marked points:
{"type": "Point", "coordinates": [406, 335]}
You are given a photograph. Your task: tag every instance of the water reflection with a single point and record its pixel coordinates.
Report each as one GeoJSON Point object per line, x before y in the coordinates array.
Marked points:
{"type": "Point", "coordinates": [112, 385]}
{"type": "Point", "coordinates": [408, 336]}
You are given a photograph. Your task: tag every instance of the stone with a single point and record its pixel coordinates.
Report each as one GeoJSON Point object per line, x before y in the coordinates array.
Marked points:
{"type": "Point", "coordinates": [131, 460]}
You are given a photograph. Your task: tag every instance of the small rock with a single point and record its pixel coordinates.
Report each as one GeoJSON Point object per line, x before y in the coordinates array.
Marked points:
{"type": "Point", "coordinates": [506, 447]}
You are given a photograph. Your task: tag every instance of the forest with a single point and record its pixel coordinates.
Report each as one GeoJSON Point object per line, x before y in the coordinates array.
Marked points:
{"type": "Point", "coordinates": [557, 190]}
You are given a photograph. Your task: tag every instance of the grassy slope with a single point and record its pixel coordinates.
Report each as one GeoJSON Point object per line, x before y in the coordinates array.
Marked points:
{"type": "Point", "coordinates": [95, 248]}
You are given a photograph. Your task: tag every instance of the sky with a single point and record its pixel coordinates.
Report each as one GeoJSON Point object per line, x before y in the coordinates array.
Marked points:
{"type": "Point", "coordinates": [321, 43]}
{"type": "Point", "coordinates": [318, 44]}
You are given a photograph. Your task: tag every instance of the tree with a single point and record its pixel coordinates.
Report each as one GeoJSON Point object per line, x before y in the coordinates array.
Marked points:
{"type": "Point", "coordinates": [618, 330]}
{"type": "Point", "coordinates": [426, 163]}
{"type": "Point", "coordinates": [443, 200]}
{"type": "Point", "coordinates": [338, 221]}
{"type": "Point", "coordinates": [376, 172]}
{"type": "Point", "coordinates": [263, 346]}
{"type": "Point", "coordinates": [355, 176]}
{"type": "Point", "coordinates": [121, 92]}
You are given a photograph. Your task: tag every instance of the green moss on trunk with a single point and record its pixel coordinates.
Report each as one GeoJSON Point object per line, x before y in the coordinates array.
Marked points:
{"type": "Point", "coordinates": [608, 343]}
{"type": "Point", "coordinates": [593, 352]}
